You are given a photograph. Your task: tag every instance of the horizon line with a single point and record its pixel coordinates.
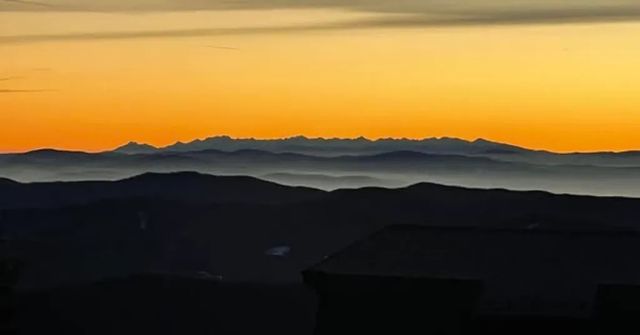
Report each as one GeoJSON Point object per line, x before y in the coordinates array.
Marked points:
{"type": "Point", "coordinates": [300, 136]}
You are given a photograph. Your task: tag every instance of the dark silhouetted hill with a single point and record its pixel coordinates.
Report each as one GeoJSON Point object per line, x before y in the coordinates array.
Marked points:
{"type": "Point", "coordinates": [191, 223]}
{"type": "Point", "coordinates": [208, 242]}
{"type": "Point", "coordinates": [187, 187]}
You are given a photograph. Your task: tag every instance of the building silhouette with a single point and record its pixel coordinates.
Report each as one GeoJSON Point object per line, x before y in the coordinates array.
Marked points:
{"type": "Point", "coordinates": [426, 280]}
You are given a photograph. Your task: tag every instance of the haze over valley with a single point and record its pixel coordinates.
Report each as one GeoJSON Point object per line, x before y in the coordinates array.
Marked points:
{"type": "Point", "coordinates": [331, 164]}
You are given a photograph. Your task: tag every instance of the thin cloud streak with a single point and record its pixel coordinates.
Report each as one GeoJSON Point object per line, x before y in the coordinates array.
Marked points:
{"type": "Point", "coordinates": [454, 19]}
{"type": "Point", "coordinates": [24, 91]}
{"type": "Point", "coordinates": [126, 35]}
{"type": "Point", "coordinates": [29, 3]}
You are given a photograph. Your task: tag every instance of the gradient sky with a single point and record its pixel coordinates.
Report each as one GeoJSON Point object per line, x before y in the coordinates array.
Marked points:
{"type": "Point", "coordinates": [558, 75]}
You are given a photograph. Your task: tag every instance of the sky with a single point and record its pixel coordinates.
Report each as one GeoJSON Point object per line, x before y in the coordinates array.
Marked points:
{"type": "Point", "coordinates": [544, 74]}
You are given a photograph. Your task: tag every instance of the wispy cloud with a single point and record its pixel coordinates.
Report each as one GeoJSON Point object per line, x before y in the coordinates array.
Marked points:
{"type": "Point", "coordinates": [24, 91]}
{"type": "Point", "coordinates": [452, 18]}
{"type": "Point", "coordinates": [137, 34]}
{"type": "Point", "coordinates": [20, 90]}
{"type": "Point", "coordinates": [390, 14]}
{"type": "Point", "coordinates": [372, 6]}
{"type": "Point", "coordinates": [29, 3]}
{"type": "Point", "coordinates": [10, 78]}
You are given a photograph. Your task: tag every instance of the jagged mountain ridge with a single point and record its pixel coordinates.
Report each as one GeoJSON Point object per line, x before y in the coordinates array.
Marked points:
{"type": "Point", "coordinates": [329, 146]}
{"type": "Point", "coordinates": [364, 146]}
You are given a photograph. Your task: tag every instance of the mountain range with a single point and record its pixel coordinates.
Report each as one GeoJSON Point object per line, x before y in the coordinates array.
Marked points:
{"type": "Point", "coordinates": [364, 146]}
{"type": "Point", "coordinates": [330, 146]}
{"type": "Point", "coordinates": [346, 163]}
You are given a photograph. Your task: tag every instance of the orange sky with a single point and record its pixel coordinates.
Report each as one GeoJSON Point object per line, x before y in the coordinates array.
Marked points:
{"type": "Point", "coordinates": [569, 87]}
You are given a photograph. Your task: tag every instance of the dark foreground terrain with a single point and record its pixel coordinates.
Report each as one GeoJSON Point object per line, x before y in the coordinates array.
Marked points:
{"type": "Point", "coordinates": [155, 304]}
{"type": "Point", "coordinates": [240, 242]}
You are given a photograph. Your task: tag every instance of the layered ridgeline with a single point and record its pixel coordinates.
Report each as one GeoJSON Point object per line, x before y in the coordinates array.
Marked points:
{"type": "Point", "coordinates": [328, 147]}
{"type": "Point", "coordinates": [346, 163]}
{"type": "Point", "coordinates": [364, 146]}
{"type": "Point", "coordinates": [241, 229]}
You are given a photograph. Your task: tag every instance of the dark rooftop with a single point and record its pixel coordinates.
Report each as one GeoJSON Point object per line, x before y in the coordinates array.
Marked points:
{"type": "Point", "coordinates": [523, 271]}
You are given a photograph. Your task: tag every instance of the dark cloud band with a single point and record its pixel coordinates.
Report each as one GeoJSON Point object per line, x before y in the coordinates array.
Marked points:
{"type": "Point", "coordinates": [409, 13]}
{"type": "Point", "coordinates": [29, 3]}
{"type": "Point", "coordinates": [459, 18]}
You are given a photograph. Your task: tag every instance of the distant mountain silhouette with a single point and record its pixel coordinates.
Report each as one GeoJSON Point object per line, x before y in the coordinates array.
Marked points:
{"type": "Point", "coordinates": [400, 167]}
{"type": "Point", "coordinates": [363, 146]}
{"type": "Point", "coordinates": [190, 187]}
{"type": "Point", "coordinates": [136, 148]}
{"type": "Point", "coordinates": [346, 146]}
{"type": "Point", "coordinates": [61, 165]}
{"type": "Point", "coordinates": [52, 154]}
{"type": "Point", "coordinates": [189, 223]}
